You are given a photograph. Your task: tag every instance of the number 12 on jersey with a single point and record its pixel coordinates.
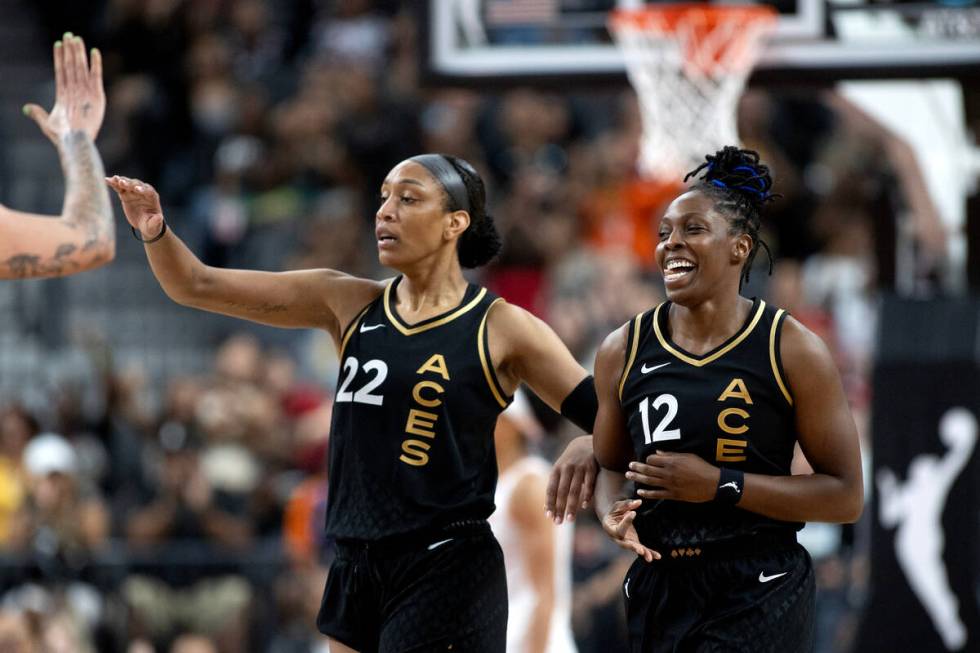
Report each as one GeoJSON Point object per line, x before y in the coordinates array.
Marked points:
{"type": "Point", "coordinates": [662, 432]}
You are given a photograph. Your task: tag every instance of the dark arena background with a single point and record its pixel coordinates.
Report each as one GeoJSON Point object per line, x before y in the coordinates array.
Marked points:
{"type": "Point", "coordinates": [267, 127]}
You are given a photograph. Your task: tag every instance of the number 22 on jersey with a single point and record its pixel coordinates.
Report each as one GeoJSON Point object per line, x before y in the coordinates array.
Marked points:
{"type": "Point", "coordinates": [365, 395]}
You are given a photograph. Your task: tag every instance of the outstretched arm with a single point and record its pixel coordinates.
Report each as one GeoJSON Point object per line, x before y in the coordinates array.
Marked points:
{"type": "Point", "coordinates": [322, 298]}
{"type": "Point", "coordinates": [83, 236]}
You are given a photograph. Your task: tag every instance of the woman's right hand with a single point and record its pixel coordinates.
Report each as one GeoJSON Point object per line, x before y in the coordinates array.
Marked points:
{"type": "Point", "coordinates": [79, 103]}
{"type": "Point", "coordinates": [140, 203]}
{"type": "Point", "coordinates": [618, 524]}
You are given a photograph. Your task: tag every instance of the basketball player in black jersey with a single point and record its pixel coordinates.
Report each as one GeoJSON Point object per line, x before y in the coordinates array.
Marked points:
{"type": "Point", "coordinates": [428, 361]}
{"type": "Point", "coordinates": [707, 394]}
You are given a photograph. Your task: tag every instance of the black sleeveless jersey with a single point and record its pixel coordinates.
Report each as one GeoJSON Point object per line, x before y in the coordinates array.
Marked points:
{"type": "Point", "coordinates": [730, 406]}
{"type": "Point", "coordinates": [411, 441]}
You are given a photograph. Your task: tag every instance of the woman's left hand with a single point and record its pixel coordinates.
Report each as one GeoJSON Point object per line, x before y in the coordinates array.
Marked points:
{"type": "Point", "coordinates": [677, 476]}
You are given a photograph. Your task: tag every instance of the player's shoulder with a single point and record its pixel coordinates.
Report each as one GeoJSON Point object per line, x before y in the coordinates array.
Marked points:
{"type": "Point", "coordinates": [346, 284]}
{"type": "Point", "coordinates": [513, 323]}
{"type": "Point", "coordinates": [347, 294]}
{"type": "Point", "coordinates": [798, 338]}
{"type": "Point", "coordinates": [613, 346]}
{"type": "Point", "coordinates": [802, 351]}
{"type": "Point", "coordinates": [504, 314]}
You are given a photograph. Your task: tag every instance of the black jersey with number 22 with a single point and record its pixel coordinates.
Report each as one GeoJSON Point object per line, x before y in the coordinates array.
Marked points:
{"type": "Point", "coordinates": [730, 406]}
{"type": "Point", "coordinates": [411, 441]}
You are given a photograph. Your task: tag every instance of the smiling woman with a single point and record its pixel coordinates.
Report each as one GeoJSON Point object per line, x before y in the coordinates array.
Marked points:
{"type": "Point", "coordinates": [735, 183]}
{"type": "Point", "coordinates": [428, 361]}
{"type": "Point", "coordinates": [707, 394]}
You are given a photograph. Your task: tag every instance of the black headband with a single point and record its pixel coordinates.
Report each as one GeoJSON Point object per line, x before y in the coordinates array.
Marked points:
{"type": "Point", "coordinates": [448, 176]}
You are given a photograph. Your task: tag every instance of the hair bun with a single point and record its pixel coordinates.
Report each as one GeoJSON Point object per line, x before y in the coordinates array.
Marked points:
{"type": "Point", "coordinates": [738, 171]}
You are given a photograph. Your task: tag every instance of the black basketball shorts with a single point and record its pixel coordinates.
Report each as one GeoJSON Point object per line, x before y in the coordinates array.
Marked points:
{"type": "Point", "coordinates": [447, 592]}
{"type": "Point", "coordinates": [752, 602]}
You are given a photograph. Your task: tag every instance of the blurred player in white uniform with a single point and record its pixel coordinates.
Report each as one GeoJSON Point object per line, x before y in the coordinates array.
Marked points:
{"type": "Point", "coordinates": [537, 553]}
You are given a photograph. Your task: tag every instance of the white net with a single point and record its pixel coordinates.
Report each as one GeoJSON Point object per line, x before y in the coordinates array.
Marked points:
{"type": "Point", "coordinates": [688, 65]}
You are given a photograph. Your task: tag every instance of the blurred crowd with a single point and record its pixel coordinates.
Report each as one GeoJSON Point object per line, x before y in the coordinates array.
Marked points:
{"type": "Point", "coordinates": [187, 516]}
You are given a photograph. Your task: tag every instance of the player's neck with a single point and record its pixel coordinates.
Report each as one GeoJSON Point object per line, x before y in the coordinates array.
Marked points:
{"type": "Point", "coordinates": [432, 286]}
{"type": "Point", "coordinates": [699, 328]}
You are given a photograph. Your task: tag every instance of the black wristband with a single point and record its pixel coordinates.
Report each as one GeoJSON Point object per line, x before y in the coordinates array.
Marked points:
{"type": "Point", "coordinates": [581, 405]}
{"type": "Point", "coordinates": [136, 234]}
{"type": "Point", "coordinates": [730, 486]}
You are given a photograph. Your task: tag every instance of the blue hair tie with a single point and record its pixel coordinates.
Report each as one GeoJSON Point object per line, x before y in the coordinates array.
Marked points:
{"type": "Point", "coordinates": [754, 191]}
{"type": "Point", "coordinates": [756, 177]}
{"type": "Point", "coordinates": [719, 183]}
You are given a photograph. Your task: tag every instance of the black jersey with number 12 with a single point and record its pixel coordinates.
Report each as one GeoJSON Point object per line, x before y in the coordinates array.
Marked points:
{"type": "Point", "coordinates": [730, 406]}
{"type": "Point", "coordinates": [411, 441]}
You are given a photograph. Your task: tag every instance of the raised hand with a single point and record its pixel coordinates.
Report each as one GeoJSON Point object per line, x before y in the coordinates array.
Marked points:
{"type": "Point", "coordinates": [79, 95]}
{"type": "Point", "coordinates": [618, 524]}
{"type": "Point", "coordinates": [141, 205]}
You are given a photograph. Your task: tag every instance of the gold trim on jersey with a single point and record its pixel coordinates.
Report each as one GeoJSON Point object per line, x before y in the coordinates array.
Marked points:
{"type": "Point", "coordinates": [485, 356]}
{"type": "Point", "coordinates": [772, 356]}
{"type": "Point", "coordinates": [411, 331]}
{"type": "Point", "coordinates": [350, 331]}
{"type": "Point", "coordinates": [632, 357]}
{"type": "Point", "coordinates": [701, 362]}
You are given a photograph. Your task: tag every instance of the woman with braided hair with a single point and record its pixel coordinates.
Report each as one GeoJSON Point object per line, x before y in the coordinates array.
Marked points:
{"type": "Point", "coordinates": [707, 394]}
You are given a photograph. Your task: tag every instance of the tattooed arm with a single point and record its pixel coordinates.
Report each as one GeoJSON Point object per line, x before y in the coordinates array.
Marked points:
{"type": "Point", "coordinates": [322, 298]}
{"type": "Point", "coordinates": [83, 236]}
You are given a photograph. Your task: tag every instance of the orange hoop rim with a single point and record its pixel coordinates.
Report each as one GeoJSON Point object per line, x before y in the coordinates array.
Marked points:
{"type": "Point", "coordinates": [665, 18]}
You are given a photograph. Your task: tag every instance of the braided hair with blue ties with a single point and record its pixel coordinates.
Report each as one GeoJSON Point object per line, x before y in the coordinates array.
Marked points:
{"type": "Point", "coordinates": [741, 184]}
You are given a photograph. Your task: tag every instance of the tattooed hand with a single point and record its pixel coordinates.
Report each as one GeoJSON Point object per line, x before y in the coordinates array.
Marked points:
{"type": "Point", "coordinates": [84, 235]}
{"type": "Point", "coordinates": [79, 96]}
{"type": "Point", "coordinates": [141, 205]}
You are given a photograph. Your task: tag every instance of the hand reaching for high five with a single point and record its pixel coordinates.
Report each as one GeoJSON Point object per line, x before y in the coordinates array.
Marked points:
{"type": "Point", "coordinates": [141, 205]}
{"type": "Point", "coordinates": [618, 524]}
{"type": "Point", "coordinates": [79, 103]}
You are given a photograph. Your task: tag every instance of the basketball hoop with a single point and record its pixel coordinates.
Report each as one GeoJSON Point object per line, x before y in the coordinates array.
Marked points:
{"type": "Point", "coordinates": [688, 64]}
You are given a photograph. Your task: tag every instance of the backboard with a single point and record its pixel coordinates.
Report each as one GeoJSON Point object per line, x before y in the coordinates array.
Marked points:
{"type": "Point", "coordinates": [514, 41]}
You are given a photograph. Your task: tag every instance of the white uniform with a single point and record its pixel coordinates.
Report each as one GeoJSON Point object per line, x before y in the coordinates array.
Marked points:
{"type": "Point", "coordinates": [520, 592]}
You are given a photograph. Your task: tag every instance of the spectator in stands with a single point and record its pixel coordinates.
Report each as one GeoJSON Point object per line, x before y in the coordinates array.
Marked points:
{"type": "Point", "coordinates": [185, 505]}
{"type": "Point", "coordinates": [60, 519]}
{"type": "Point", "coordinates": [17, 427]}
{"type": "Point", "coordinates": [16, 635]}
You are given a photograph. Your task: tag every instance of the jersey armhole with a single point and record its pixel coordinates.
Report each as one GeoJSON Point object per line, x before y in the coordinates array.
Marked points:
{"type": "Point", "coordinates": [775, 359]}
{"type": "Point", "coordinates": [483, 347]}
{"type": "Point", "coordinates": [632, 343]}
{"type": "Point", "coordinates": [345, 334]}
{"type": "Point", "coordinates": [349, 331]}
